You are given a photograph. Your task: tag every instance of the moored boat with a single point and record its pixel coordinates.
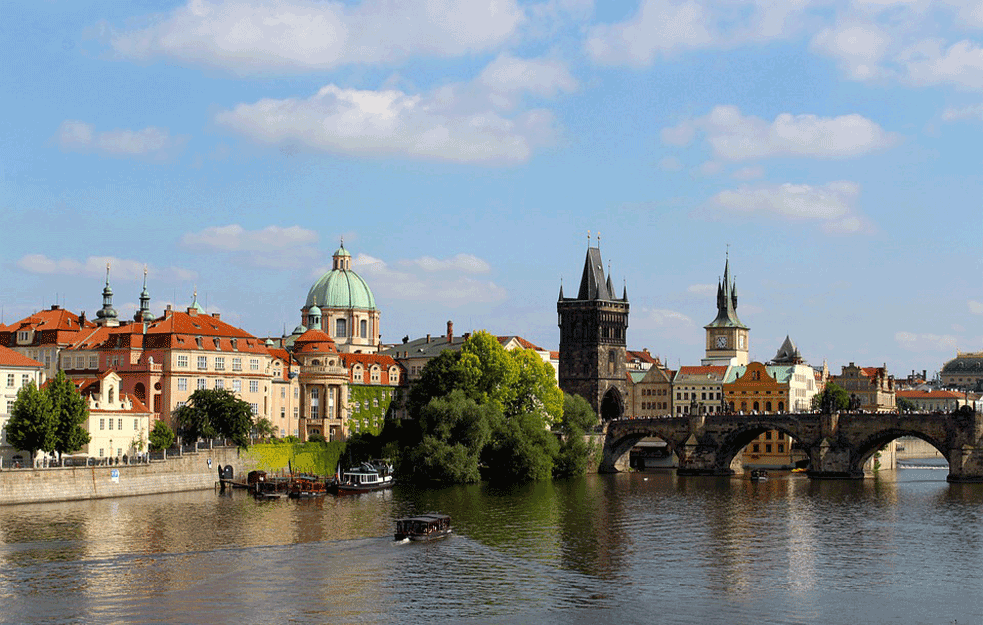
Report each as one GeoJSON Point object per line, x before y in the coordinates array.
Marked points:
{"type": "Point", "coordinates": [424, 527]}
{"type": "Point", "coordinates": [759, 475]}
{"type": "Point", "coordinates": [368, 476]}
{"type": "Point", "coordinates": [304, 486]}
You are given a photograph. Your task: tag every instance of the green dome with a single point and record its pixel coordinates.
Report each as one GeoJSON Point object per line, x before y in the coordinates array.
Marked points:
{"type": "Point", "coordinates": [341, 288]}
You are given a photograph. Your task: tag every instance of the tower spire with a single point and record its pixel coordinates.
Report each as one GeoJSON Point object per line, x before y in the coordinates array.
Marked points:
{"type": "Point", "coordinates": [107, 315]}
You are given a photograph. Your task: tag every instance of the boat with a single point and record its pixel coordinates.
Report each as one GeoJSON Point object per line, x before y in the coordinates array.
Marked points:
{"type": "Point", "coordinates": [759, 475]}
{"type": "Point", "coordinates": [425, 527]}
{"type": "Point", "coordinates": [367, 477]}
{"type": "Point", "coordinates": [306, 486]}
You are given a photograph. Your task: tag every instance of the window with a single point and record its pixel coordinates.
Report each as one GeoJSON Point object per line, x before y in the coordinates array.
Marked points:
{"type": "Point", "coordinates": [100, 452]}
{"type": "Point", "coordinates": [220, 383]}
{"type": "Point", "coordinates": [201, 383]}
{"type": "Point", "coordinates": [102, 424]}
{"type": "Point", "coordinates": [10, 380]}
{"type": "Point", "coordinates": [296, 413]}
{"type": "Point", "coordinates": [767, 448]}
{"type": "Point", "coordinates": [182, 361]}
{"type": "Point", "coordinates": [340, 328]}
{"type": "Point", "coordinates": [237, 386]}
{"type": "Point", "coordinates": [136, 424]}
{"type": "Point", "coordinates": [755, 448]}
{"type": "Point", "coordinates": [254, 408]}
{"type": "Point", "coordinates": [115, 362]}
{"type": "Point", "coordinates": [283, 413]}
{"type": "Point", "coordinates": [93, 362]}
{"type": "Point", "coordinates": [296, 393]}
{"type": "Point", "coordinates": [283, 393]}
{"type": "Point", "coordinates": [237, 364]}
{"type": "Point", "coordinates": [781, 448]}
{"type": "Point", "coordinates": [202, 362]}
{"type": "Point", "coordinates": [364, 328]}
{"type": "Point", "coordinates": [25, 379]}
{"type": "Point", "coordinates": [768, 435]}
{"type": "Point", "coordinates": [254, 364]}
{"type": "Point", "coordinates": [220, 363]}
{"type": "Point", "coordinates": [254, 386]}
{"type": "Point", "coordinates": [217, 343]}
{"type": "Point", "coordinates": [182, 384]}
{"type": "Point", "coordinates": [80, 362]}
{"type": "Point", "coordinates": [119, 424]}
{"type": "Point", "coordinates": [110, 424]}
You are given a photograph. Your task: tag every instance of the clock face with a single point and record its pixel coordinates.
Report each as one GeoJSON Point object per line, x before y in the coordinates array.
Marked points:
{"type": "Point", "coordinates": [721, 341]}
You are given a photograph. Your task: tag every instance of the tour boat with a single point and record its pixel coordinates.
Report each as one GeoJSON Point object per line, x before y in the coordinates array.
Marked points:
{"type": "Point", "coordinates": [369, 476]}
{"type": "Point", "coordinates": [430, 526]}
{"type": "Point", "coordinates": [759, 475]}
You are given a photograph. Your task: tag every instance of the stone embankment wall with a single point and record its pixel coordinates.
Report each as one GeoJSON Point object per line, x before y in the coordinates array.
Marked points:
{"type": "Point", "coordinates": [910, 447]}
{"type": "Point", "coordinates": [178, 473]}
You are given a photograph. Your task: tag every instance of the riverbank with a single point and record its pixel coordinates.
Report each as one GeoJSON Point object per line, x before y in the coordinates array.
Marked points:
{"type": "Point", "coordinates": [192, 471]}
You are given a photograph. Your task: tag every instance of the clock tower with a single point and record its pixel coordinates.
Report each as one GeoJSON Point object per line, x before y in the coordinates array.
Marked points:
{"type": "Point", "coordinates": [727, 337]}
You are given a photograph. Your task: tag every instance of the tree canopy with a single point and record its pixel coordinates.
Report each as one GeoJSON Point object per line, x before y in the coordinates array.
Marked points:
{"type": "Point", "coordinates": [485, 412]}
{"type": "Point", "coordinates": [161, 436]}
{"type": "Point", "coordinates": [833, 398]}
{"type": "Point", "coordinates": [69, 412]}
{"type": "Point", "coordinates": [32, 421]}
{"type": "Point", "coordinates": [212, 413]}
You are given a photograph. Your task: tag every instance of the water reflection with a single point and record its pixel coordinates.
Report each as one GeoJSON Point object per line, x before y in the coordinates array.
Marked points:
{"type": "Point", "coordinates": [629, 547]}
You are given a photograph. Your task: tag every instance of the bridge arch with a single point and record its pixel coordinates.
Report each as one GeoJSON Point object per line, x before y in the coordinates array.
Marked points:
{"type": "Point", "coordinates": [863, 451]}
{"type": "Point", "coordinates": [612, 405]}
{"type": "Point", "coordinates": [739, 439]}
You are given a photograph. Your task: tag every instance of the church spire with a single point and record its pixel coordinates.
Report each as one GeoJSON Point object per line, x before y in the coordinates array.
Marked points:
{"type": "Point", "coordinates": [143, 314]}
{"type": "Point", "coordinates": [107, 315]}
{"type": "Point", "coordinates": [727, 301]}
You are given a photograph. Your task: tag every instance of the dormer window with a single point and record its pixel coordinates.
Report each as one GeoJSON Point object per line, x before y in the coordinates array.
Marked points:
{"type": "Point", "coordinates": [23, 336]}
{"type": "Point", "coordinates": [198, 340]}
{"type": "Point", "coordinates": [235, 344]}
{"type": "Point", "coordinates": [216, 343]}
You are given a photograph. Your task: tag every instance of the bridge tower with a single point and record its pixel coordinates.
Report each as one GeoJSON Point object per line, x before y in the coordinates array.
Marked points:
{"type": "Point", "coordinates": [592, 339]}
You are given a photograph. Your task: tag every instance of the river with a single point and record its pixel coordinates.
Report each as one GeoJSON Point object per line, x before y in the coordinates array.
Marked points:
{"type": "Point", "coordinates": [628, 548]}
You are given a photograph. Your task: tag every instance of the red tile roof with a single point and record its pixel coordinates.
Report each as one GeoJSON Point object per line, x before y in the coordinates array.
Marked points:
{"type": "Point", "coordinates": [314, 341]}
{"type": "Point", "coordinates": [930, 394]}
{"type": "Point", "coordinates": [703, 370]}
{"type": "Point", "coordinates": [10, 358]}
{"type": "Point", "coordinates": [521, 341]}
{"type": "Point", "coordinates": [643, 356]}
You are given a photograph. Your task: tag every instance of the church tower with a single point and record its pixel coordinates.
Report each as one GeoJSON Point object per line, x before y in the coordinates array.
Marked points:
{"type": "Point", "coordinates": [592, 340]}
{"type": "Point", "coordinates": [727, 337]}
{"type": "Point", "coordinates": [107, 315]}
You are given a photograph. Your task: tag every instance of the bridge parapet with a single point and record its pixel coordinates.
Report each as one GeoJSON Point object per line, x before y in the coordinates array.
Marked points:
{"type": "Point", "coordinates": [838, 445]}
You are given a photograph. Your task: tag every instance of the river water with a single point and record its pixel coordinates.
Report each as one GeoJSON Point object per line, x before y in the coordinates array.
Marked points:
{"type": "Point", "coordinates": [627, 548]}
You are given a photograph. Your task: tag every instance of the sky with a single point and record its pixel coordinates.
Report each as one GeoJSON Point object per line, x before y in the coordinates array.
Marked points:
{"type": "Point", "coordinates": [463, 150]}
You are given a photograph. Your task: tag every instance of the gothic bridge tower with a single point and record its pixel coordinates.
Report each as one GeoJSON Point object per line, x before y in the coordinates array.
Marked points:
{"type": "Point", "coordinates": [592, 340]}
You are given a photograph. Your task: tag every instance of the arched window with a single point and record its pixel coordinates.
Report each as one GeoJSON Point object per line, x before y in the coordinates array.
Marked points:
{"type": "Point", "coordinates": [611, 361]}
{"type": "Point", "coordinates": [112, 394]}
{"type": "Point", "coordinates": [767, 406]}
{"type": "Point", "coordinates": [756, 406]}
{"type": "Point", "coordinates": [364, 329]}
{"type": "Point", "coordinates": [781, 406]}
{"type": "Point", "coordinates": [341, 327]}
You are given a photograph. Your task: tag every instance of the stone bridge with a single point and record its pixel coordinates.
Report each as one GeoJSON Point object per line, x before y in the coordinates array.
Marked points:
{"type": "Point", "coordinates": [838, 445]}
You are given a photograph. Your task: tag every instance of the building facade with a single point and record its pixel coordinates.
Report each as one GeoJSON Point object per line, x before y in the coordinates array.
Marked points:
{"type": "Point", "coordinates": [871, 389]}
{"type": "Point", "coordinates": [16, 372]}
{"type": "Point", "coordinates": [965, 371]}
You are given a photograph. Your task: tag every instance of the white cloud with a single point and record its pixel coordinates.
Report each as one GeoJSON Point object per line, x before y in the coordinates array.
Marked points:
{"type": "Point", "coordinates": [960, 64]}
{"type": "Point", "coordinates": [748, 173]}
{"type": "Point", "coordinates": [702, 289]}
{"type": "Point", "coordinates": [831, 204]}
{"type": "Point", "coordinates": [76, 136]}
{"type": "Point", "coordinates": [670, 163]}
{"type": "Point", "coordinates": [272, 246]}
{"type": "Point", "coordinates": [460, 122]}
{"type": "Point", "coordinates": [664, 27]}
{"type": "Point", "coordinates": [975, 307]}
{"type": "Point", "coordinates": [445, 282]}
{"type": "Point", "coordinates": [466, 263]}
{"type": "Point", "coordinates": [95, 267]}
{"type": "Point", "coordinates": [253, 36]}
{"type": "Point", "coordinates": [953, 114]}
{"type": "Point", "coordinates": [734, 137]}
{"type": "Point", "coordinates": [925, 342]}
{"type": "Point", "coordinates": [508, 75]}
{"type": "Point", "coordinates": [659, 27]}
{"type": "Point", "coordinates": [859, 48]}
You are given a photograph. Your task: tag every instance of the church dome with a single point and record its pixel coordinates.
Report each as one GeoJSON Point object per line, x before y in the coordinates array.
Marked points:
{"type": "Point", "coordinates": [341, 287]}
{"type": "Point", "coordinates": [965, 363]}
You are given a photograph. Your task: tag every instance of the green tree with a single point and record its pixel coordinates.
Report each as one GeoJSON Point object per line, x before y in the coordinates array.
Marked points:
{"type": "Point", "coordinates": [69, 412]}
{"type": "Point", "coordinates": [522, 449]}
{"type": "Point", "coordinates": [211, 413]}
{"type": "Point", "coordinates": [32, 425]}
{"type": "Point", "coordinates": [906, 405]}
{"type": "Point", "coordinates": [264, 428]}
{"type": "Point", "coordinates": [833, 398]}
{"type": "Point", "coordinates": [161, 436]}
{"type": "Point", "coordinates": [535, 387]}
{"type": "Point", "coordinates": [456, 429]}
{"type": "Point", "coordinates": [574, 453]}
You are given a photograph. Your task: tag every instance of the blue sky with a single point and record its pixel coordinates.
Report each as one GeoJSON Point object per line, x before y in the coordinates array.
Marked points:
{"type": "Point", "coordinates": [464, 149]}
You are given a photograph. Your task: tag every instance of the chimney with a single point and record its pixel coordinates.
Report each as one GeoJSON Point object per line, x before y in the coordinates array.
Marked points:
{"type": "Point", "coordinates": [192, 311]}
{"type": "Point", "coordinates": [216, 315]}
{"type": "Point", "coordinates": [450, 331]}
{"type": "Point", "coordinates": [55, 307]}
{"type": "Point", "coordinates": [82, 319]}
{"type": "Point", "coordinates": [428, 338]}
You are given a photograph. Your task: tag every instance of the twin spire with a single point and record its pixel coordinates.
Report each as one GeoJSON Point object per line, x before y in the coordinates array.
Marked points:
{"type": "Point", "coordinates": [594, 285]}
